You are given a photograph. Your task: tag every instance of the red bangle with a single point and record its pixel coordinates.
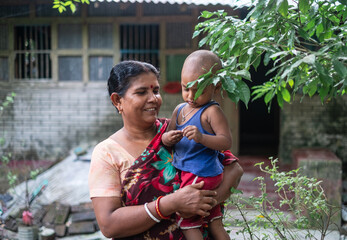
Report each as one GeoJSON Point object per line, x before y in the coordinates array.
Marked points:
{"type": "Point", "coordinates": [158, 210]}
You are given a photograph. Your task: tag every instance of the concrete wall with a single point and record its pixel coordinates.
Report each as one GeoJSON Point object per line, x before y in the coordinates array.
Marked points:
{"type": "Point", "coordinates": [311, 124]}
{"type": "Point", "coordinates": [47, 122]}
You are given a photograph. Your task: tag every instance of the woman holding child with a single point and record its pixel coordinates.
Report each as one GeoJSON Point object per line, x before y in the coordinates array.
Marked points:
{"type": "Point", "coordinates": [132, 181]}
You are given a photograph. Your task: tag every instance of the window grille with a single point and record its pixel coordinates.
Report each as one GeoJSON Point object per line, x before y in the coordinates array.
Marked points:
{"type": "Point", "coordinates": [32, 52]}
{"type": "Point", "coordinates": [140, 42]}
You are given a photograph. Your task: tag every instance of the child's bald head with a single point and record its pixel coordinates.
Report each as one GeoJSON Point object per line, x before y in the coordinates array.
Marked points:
{"type": "Point", "coordinates": [201, 61]}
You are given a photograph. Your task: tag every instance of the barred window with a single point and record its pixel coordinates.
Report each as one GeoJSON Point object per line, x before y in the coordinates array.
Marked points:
{"type": "Point", "coordinates": [140, 42]}
{"type": "Point", "coordinates": [32, 52]}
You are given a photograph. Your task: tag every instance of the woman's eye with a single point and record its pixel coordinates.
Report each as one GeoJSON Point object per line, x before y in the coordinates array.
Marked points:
{"type": "Point", "coordinates": [156, 91]}
{"type": "Point", "coordinates": [141, 93]}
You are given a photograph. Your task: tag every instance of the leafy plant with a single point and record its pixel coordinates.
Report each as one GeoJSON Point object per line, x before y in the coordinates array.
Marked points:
{"type": "Point", "coordinates": [12, 176]}
{"type": "Point", "coordinates": [304, 41]}
{"type": "Point", "coordinates": [61, 5]}
{"type": "Point", "coordinates": [301, 196]}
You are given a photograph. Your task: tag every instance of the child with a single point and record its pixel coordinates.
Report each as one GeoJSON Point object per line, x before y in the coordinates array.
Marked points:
{"type": "Point", "coordinates": [199, 130]}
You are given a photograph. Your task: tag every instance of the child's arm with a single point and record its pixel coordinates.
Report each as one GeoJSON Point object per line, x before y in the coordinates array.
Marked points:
{"type": "Point", "coordinates": [172, 136]}
{"type": "Point", "coordinates": [214, 118]}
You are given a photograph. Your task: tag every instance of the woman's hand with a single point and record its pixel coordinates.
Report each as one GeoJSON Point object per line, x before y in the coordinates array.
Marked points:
{"type": "Point", "coordinates": [191, 200]}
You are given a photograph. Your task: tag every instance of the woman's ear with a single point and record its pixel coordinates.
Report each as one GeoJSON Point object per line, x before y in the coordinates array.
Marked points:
{"type": "Point", "coordinates": [116, 101]}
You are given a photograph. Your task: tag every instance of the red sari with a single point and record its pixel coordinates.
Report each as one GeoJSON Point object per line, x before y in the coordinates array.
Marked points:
{"type": "Point", "coordinates": [152, 175]}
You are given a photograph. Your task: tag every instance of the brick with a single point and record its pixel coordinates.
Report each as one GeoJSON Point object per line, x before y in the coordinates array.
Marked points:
{"type": "Point", "coordinates": [62, 213]}
{"type": "Point", "coordinates": [82, 207]}
{"type": "Point", "coordinates": [60, 230]}
{"type": "Point", "coordinates": [83, 216]}
{"type": "Point", "coordinates": [49, 217]}
{"type": "Point", "coordinates": [81, 228]}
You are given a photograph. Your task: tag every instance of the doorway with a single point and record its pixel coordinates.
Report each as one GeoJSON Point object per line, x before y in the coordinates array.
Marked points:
{"type": "Point", "coordinates": [259, 128]}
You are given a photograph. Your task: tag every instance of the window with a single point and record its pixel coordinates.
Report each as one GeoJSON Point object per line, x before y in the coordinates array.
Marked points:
{"type": "Point", "coordinates": [140, 42]}
{"type": "Point", "coordinates": [174, 64]}
{"type": "Point", "coordinates": [32, 52]}
{"type": "Point", "coordinates": [3, 68]}
{"type": "Point", "coordinates": [70, 68]}
{"type": "Point", "coordinates": [70, 36]}
{"type": "Point", "coordinates": [100, 36]}
{"type": "Point", "coordinates": [99, 67]}
{"type": "Point", "coordinates": [178, 35]}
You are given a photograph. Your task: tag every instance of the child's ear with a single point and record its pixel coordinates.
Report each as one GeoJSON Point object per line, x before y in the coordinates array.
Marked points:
{"type": "Point", "coordinates": [218, 86]}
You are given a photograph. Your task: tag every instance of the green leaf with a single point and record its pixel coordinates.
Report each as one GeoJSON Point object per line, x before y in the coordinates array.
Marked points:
{"type": "Point", "coordinates": [283, 7]}
{"type": "Point", "coordinates": [279, 99]}
{"type": "Point", "coordinates": [244, 92]}
{"type": "Point", "coordinates": [340, 68]}
{"type": "Point", "coordinates": [73, 7]}
{"type": "Point", "coordinates": [285, 95]}
{"type": "Point", "coordinates": [243, 73]}
{"type": "Point", "coordinates": [309, 59]}
{"type": "Point", "coordinates": [291, 83]}
{"type": "Point", "coordinates": [206, 14]}
{"type": "Point", "coordinates": [312, 89]}
{"type": "Point", "coordinates": [268, 97]}
{"type": "Point", "coordinates": [323, 92]}
{"type": "Point", "coordinates": [228, 84]}
{"type": "Point", "coordinates": [197, 33]}
{"type": "Point", "coordinates": [304, 6]}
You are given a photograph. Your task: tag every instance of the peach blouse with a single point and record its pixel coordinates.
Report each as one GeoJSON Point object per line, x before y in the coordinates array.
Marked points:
{"type": "Point", "coordinates": [109, 164]}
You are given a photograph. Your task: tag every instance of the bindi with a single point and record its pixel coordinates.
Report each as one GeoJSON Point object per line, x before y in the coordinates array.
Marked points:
{"type": "Point", "coordinates": [151, 86]}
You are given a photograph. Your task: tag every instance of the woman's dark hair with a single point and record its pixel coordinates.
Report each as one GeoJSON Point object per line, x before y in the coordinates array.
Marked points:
{"type": "Point", "coordinates": [122, 74]}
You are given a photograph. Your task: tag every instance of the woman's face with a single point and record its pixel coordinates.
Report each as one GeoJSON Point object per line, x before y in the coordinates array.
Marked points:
{"type": "Point", "coordinates": [142, 100]}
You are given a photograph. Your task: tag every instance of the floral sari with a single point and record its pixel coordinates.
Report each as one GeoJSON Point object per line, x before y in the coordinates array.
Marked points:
{"type": "Point", "coordinates": [152, 175]}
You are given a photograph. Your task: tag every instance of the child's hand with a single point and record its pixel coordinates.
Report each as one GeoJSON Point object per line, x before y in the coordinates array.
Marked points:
{"type": "Point", "coordinates": [172, 137]}
{"type": "Point", "coordinates": [192, 132]}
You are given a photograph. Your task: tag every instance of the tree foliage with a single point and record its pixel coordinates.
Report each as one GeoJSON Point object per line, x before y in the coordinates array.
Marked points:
{"type": "Point", "coordinates": [61, 5]}
{"type": "Point", "coordinates": [305, 41]}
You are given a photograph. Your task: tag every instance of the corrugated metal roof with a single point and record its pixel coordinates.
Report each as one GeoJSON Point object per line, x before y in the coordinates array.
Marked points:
{"type": "Point", "coordinates": [233, 3]}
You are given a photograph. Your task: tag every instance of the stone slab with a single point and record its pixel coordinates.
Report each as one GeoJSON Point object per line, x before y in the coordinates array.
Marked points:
{"type": "Point", "coordinates": [81, 228]}
{"type": "Point", "coordinates": [60, 230]}
{"type": "Point", "coordinates": [83, 216]}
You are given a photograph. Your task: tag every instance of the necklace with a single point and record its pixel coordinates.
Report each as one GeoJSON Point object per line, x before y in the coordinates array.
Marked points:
{"type": "Point", "coordinates": [184, 116]}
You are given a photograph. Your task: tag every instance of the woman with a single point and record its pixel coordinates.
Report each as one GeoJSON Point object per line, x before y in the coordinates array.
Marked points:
{"type": "Point", "coordinates": [132, 182]}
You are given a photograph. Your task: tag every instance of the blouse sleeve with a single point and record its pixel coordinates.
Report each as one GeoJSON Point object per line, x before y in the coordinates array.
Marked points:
{"type": "Point", "coordinates": [104, 175]}
{"type": "Point", "coordinates": [228, 158]}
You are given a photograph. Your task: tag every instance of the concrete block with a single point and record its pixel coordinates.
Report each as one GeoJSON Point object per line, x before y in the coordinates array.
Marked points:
{"type": "Point", "coordinates": [60, 230]}
{"type": "Point", "coordinates": [83, 216]}
{"type": "Point", "coordinates": [81, 228]}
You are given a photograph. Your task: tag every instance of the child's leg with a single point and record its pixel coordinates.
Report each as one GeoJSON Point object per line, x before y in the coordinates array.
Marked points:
{"type": "Point", "coordinates": [217, 230]}
{"type": "Point", "coordinates": [192, 234]}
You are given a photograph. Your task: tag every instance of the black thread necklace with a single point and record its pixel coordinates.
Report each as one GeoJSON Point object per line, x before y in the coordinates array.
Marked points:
{"type": "Point", "coordinates": [184, 116]}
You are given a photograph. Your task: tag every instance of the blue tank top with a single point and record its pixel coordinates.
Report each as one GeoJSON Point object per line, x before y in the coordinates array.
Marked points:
{"type": "Point", "coordinates": [194, 157]}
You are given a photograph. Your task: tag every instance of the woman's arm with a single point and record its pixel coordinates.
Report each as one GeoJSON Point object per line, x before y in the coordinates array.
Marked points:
{"type": "Point", "coordinates": [117, 221]}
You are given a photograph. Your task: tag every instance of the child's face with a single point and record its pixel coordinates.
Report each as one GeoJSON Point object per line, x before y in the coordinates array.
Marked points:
{"type": "Point", "coordinates": [188, 94]}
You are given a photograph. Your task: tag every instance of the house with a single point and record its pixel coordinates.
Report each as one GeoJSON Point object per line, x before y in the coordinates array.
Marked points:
{"type": "Point", "coordinates": [57, 64]}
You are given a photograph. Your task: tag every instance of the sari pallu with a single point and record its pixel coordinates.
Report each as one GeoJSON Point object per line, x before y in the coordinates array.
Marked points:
{"type": "Point", "coordinates": [152, 175]}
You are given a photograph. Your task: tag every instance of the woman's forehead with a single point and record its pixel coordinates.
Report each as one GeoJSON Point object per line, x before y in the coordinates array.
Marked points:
{"type": "Point", "coordinates": [145, 79]}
